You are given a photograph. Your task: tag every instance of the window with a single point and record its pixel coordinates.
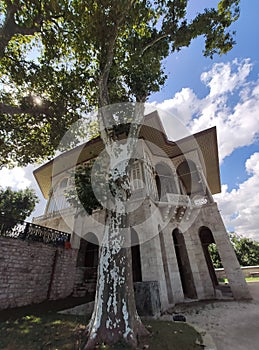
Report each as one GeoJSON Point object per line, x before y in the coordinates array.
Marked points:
{"type": "Point", "coordinates": [136, 178]}
{"type": "Point", "coordinates": [63, 183]}
{"type": "Point", "coordinates": [165, 181]}
{"type": "Point", "coordinates": [149, 176]}
{"type": "Point", "coordinates": [57, 200]}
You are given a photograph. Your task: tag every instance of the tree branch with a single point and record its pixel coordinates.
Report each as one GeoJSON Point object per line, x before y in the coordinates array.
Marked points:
{"type": "Point", "coordinates": [153, 42]}
{"type": "Point", "coordinates": [32, 110]}
{"type": "Point", "coordinates": [10, 27]}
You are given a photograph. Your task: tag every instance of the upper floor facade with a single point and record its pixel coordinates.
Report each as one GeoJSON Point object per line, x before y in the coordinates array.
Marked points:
{"type": "Point", "coordinates": [182, 174]}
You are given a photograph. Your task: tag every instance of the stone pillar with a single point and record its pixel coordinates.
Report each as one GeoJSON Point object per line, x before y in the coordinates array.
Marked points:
{"type": "Point", "coordinates": [172, 264]}
{"type": "Point", "coordinates": [200, 272]}
{"type": "Point", "coordinates": [228, 257]}
{"type": "Point", "coordinates": [152, 264]}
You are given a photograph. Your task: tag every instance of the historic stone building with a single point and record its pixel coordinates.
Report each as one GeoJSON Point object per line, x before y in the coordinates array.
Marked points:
{"type": "Point", "coordinates": [173, 216]}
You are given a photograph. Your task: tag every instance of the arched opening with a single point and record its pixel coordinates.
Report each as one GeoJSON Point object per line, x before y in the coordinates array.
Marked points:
{"type": "Point", "coordinates": [57, 197]}
{"type": "Point", "coordinates": [136, 260]}
{"type": "Point", "coordinates": [88, 256]}
{"type": "Point", "coordinates": [207, 239]}
{"type": "Point", "coordinates": [184, 266]}
{"type": "Point", "coordinates": [190, 178]}
{"type": "Point", "coordinates": [165, 181]}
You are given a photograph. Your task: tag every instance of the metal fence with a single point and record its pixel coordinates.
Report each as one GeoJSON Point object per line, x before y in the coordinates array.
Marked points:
{"type": "Point", "coordinates": [31, 232]}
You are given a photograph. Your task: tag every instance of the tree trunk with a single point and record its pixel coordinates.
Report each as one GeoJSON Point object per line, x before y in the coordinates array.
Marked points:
{"type": "Point", "coordinates": [115, 318]}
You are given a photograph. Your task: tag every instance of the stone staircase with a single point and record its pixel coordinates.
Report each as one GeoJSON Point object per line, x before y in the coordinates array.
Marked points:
{"type": "Point", "coordinates": [85, 283]}
{"type": "Point", "coordinates": [85, 288]}
{"type": "Point", "coordinates": [225, 291]}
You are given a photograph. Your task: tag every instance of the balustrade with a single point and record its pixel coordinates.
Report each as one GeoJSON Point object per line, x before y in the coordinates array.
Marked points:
{"type": "Point", "coordinates": [31, 232]}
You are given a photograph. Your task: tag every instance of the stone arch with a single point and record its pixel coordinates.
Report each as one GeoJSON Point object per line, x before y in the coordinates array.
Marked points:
{"type": "Point", "coordinates": [88, 256]}
{"type": "Point", "coordinates": [184, 266]}
{"type": "Point", "coordinates": [190, 178]}
{"type": "Point", "coordinates": [165, 180]}
{"type": "Point", "coordinates": [57, 198]}
{"type": "Point", "coordinates": [136, 259]}
{"type": "Point", "coordinates": [206, 238]}
{"type": "Point", "coordinates": [63, 183]}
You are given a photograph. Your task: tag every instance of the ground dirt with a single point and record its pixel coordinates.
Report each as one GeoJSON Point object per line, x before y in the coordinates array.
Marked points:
{"type": "Point", "coordinates": [233, 325]}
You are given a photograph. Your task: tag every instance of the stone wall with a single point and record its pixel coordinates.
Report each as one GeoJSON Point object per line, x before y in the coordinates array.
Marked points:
{"type": "Point", "coordinates": [31, 272]}
{"type": "Point", "coordinates": [248, 271]}
{"type": "Point", "coordinates": [64, 273]}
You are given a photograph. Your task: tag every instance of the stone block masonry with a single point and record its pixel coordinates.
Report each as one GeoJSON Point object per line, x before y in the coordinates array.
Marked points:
{"type": "Point", "coordinates": [31, 272]}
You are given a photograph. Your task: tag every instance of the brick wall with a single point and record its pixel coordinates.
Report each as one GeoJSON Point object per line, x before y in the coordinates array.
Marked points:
{"type": "Point", "coordinates": [31, 272]}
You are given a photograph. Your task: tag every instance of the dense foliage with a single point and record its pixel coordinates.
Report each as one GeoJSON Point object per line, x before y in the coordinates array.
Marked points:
{"type": "Point", "coordinates": [17, 205]}
{"type": "Point", "coordinates": [60, 59]}
{"type": "Point", "coordinates": [82, 196]}
{"type": "Point", "coordinates": [246, 249]}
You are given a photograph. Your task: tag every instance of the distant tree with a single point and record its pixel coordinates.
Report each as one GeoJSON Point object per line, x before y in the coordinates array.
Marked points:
{"type": "Point", "coordinates": [17, 205]}
{"type": "Point", "coordinates": [214, 254]}
{"type": "Point", "coordinates": [246, 249]}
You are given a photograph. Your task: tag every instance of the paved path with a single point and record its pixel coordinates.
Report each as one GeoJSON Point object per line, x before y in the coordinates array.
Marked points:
{"type": "Point", "coordinates": [254, 290]}
{"type": "Point", "coordinates": [233, 325]}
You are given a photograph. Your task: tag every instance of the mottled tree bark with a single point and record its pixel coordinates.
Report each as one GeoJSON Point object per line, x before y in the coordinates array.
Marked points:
{"type": "Point", "coordinates": [115, 318]}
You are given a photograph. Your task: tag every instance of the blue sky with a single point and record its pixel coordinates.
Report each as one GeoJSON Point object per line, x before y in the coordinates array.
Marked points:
{"type": "Point", "coordinates": [203, 93]}
{"type": "Point", "coordinates": [232, 79]}
{"type": "Point", "coordinates": [185, 68]}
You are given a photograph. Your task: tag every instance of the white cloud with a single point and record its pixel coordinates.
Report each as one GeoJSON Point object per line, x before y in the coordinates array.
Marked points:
{"type": "Point", "coordinates": [183, 105]}
{"type": "Point", "coordinates": [14, 178]}
{"type": "Point", "coordinates": [237, 123]}
{"type": "Point", "coordinates": [240, 207]}
{"type": "Point", "coordinates": [223, 78]}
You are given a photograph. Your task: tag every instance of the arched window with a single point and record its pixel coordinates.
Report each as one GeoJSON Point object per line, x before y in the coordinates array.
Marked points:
{"type": "Point", "coordinates": [136, 176]}
{"type": "Point", "coordinates": [51, 206]}
{"type": "Point", "coordinates": [57, 198]}
{"type": "Point", "coordinates": [63, 183]}
{"type": "Point", "coordinates": [165, 180]}
{"type": "Point", "coordinates": [149, 176]}
{"type": "Point", "coordinates": [190, 178]}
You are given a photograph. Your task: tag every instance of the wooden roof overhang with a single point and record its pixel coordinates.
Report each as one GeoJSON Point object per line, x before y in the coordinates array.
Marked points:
{"type": "Point", "coordinates": [205, 142]}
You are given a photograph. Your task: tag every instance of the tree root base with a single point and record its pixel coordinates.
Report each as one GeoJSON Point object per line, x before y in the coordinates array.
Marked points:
{"type": "Point", "coordinates": [100, 338]}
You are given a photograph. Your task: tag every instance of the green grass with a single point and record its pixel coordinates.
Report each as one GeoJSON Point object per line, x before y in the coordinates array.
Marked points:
{"type": "Point", "coordinates": [248, 279]}
{"type": "Point", "coordinates": [52, 331]}
{"type": "Point", "coordinates": [252, 279]}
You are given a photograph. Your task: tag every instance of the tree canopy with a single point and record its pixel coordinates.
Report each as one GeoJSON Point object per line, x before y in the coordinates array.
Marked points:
{"type": "Point", "coordinates": [60, 59]}
{"type": "Point", "coordinates": [17, 205]}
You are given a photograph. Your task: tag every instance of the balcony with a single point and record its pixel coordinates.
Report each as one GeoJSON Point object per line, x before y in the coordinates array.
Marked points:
{"type": "Point", "coordinates": [178, 200]}
{"type": "Point", "coordinates": [175, 205]}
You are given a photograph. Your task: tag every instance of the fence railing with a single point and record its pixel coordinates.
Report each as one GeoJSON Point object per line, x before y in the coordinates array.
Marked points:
{"type": "Point", "coordinates": [31, 232]}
